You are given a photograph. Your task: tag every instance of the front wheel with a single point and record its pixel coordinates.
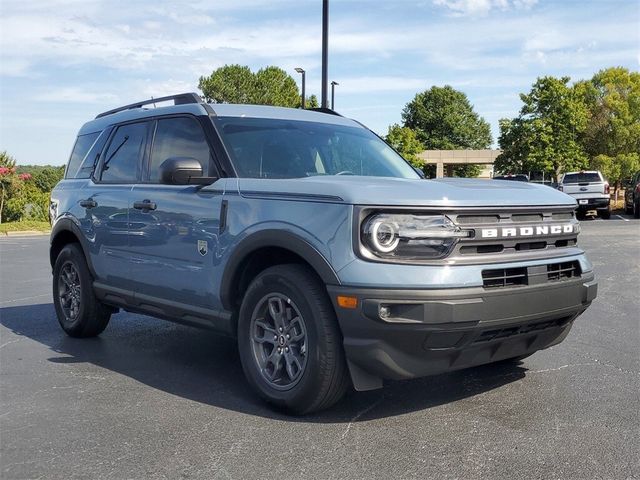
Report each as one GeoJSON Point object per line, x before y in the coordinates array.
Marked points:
{"type": "Point", "coordinates": [79, 312]}
{"type": "Point", "coordinates": [636, 209]}
{"type": "Point", "coordinates": [289, 341]}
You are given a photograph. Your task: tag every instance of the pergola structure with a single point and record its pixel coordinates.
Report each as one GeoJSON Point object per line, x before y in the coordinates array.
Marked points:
{"type": "Point", "coordinates": [449, 158]}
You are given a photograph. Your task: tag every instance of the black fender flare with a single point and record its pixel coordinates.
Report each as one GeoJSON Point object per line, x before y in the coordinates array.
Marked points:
{"type": "Point", "coordinates": [273, 238]}
{"type": "Point", "coordinates": [67, 224]}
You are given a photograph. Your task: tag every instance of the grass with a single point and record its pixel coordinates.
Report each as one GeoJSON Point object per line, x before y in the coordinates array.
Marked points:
{"type": "Point", "coordinates": [24, 225]}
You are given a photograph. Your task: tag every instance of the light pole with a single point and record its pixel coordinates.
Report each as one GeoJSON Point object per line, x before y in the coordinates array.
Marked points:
{"type": "Point", "coordinates": [325, 51]}
{"type": "Point", "coordinates": [333, 94]}
{"type": "Point", "coordinates": [302, 72]}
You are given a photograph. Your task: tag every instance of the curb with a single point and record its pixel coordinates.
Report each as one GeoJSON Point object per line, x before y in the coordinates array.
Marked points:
{"type": "Point", "coordinates": [25, 233]}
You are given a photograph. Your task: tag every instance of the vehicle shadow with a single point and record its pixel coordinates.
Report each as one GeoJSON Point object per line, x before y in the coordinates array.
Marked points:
{"type": "Point", "coordinates": [204, 367]}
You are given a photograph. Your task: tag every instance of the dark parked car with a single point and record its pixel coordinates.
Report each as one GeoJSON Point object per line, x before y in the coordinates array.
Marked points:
{"type": "Point", "coordinates": [519, 177]}
{"type": "Point", "coordinates": [632, 196]}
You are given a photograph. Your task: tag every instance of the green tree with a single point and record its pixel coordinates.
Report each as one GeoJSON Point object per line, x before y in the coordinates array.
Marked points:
{"type": "Point", "coordinates": [546, 134]}
{"type": "Point", "coordinates": [444, 119]}
{"type": "Point", "coordinates": [274, 86]}
{"type": "Point", "coordinates": [405, 141]}
{"type": "Point", "coordinates": [8, 181]}
{"type": "Point", "coordinates": [312, 102]}
{"type": "Point", "coordinates": [228, 84]}
{"type": "Point", "coordinates": [45, 177]}
{"type": "Point", "coordinates": [515, 142]}
{"type": "Point", "coordinates": [27, 203]}
{"type": "Point", "coordinates": [238, 84]}
{"type": "Point", "coordinates": [612, 136]}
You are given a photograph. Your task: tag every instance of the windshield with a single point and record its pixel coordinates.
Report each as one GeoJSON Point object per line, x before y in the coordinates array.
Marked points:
{"type": "Point", "coordinates": [581, 178]}
{"type": "Point", "coordinates": [271, 148]}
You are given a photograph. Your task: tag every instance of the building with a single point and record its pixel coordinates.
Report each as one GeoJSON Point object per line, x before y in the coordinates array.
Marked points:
{"type": "Point", "coordinates": [446, 159]}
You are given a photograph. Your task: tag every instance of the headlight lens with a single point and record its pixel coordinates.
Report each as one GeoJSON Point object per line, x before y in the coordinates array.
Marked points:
{"type": "Point", "coordinates": [409, 237]}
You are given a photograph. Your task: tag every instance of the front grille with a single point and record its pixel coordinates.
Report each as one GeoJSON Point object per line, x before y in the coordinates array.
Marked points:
{"type": "Point", "coordinates": [527, 217]}
{"type": "Point", "coordinates": [480, 219]}
{"type": "Point", "coordinates": [499, 234]}
{"type": "Point", "coordinates": [498, 333]}
{"type": "Point", "coordinates": [531, 245]}
{"type": "Point", "coordinates": [533, 275]}
{"type": "Point", "coordinates": [504, 277]}
{"type": "Point", "coordinates": [563, 271]}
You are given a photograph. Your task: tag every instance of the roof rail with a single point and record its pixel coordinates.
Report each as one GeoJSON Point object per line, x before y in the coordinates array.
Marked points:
{"type": "Point", "coordinates": [179, 99]}
{"type": "Point", "coordinates": [325, 110]}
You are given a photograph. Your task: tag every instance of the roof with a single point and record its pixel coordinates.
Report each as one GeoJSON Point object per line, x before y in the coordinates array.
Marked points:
{"type": "Point", "coordinates": [219, 109]}
{"type": "Point", "coordinates": [280, 113]}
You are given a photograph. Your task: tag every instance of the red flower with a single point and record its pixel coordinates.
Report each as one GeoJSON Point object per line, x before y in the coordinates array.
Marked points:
{"type": "Point", "coordinates": [24, 176]}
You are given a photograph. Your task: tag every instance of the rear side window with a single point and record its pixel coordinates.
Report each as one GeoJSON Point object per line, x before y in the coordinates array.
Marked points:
{"type": "Point", "coordinates": [178, 137]}
{"type": "Point", "coordinates": [79, 153]}
{"type": "Point", "coordinates": [581, 178]}
{"type": "Point", "coordinates": [122, 159]}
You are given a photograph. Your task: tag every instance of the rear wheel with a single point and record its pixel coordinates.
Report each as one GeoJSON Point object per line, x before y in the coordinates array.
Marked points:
{"type": "Point", "coordinates": [289, 341]}
{"type": "Point", "coordinates": [79, 312]}
{"type": "Point", "coordinates": [605, 214]}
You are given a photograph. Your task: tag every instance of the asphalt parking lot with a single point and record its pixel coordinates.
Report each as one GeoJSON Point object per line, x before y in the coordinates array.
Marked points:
{"type": "Point", "coordinates": [150, 399]}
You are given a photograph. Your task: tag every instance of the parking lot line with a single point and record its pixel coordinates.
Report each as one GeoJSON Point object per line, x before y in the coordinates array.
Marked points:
{"type": "Point", "coordinates": [622, 218]}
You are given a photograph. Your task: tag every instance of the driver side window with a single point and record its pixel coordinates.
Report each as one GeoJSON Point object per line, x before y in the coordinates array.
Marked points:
{"type": "Point", "coordinates": [178, 137]}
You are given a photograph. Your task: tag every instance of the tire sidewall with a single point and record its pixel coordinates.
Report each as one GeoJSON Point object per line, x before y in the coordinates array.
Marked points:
{"type": "Point", "coordinates": [72, 254]}
{"type": "Point", "coordinates": [302, 392]}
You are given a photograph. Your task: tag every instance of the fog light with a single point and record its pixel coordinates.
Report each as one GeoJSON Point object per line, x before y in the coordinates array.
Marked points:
{"type": "Point", "coordinates": [384, 311]}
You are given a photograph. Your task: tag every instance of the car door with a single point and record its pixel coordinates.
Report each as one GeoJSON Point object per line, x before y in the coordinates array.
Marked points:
{"type": "Point", "coordinates": [106, 202]}
{"type": "Point", "coordinates": [174, 228]}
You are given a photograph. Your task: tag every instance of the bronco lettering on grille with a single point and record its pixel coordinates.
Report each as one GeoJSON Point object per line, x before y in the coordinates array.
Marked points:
{"type": "Point", "coordinates": [516, 232]}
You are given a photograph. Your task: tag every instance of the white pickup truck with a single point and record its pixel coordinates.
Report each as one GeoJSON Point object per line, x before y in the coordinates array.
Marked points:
{"type": "Point", "coordinates": [591, 191]}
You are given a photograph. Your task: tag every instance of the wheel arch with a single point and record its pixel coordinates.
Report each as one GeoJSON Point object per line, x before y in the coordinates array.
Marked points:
{"type": "Point", "coordinates": [66, 231]}
{"type": "Point", "coordinates": [264, 249]}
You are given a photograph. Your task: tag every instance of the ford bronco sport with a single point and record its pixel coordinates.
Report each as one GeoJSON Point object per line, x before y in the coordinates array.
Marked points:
{"type": "Point", "coordinates": [312, 242]}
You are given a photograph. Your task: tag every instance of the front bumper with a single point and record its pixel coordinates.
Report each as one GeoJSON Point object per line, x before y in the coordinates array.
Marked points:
{"type": "Point", "coordinates": [432, 331]}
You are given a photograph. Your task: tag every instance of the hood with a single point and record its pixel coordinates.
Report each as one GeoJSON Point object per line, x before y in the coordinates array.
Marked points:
{"type": "Point", "coordinates": [451, 192]}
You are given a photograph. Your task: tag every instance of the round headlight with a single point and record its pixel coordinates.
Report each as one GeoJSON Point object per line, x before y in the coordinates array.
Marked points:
{"type": "Point", "coordinates": [405, 236]}
{"type": "Point", "coordinates": [384, 235]}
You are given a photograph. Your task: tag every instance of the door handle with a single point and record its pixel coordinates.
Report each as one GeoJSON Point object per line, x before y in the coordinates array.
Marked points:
{"type": "Point", "coordinates": [88, 203]}
{"type": "Point", "coordinates": [145, 205]}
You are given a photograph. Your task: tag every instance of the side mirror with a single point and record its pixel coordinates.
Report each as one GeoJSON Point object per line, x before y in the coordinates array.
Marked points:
{"type": "Point", "coordinates": [183, 171]}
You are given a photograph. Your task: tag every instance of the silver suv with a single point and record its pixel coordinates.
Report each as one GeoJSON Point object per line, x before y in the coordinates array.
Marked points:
{"type": "Point", "coordinates": [309, 240]}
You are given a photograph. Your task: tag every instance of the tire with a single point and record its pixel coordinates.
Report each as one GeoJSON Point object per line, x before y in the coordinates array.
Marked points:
{"type": "Point", "coordinates": [313, 375]}
{"type": "Point", "coordinates": [636, 209]}
{"type": "Point", "coordinates": [79, 312]}
{"type": "Point", "coordinates": [628, 208]}
{"type": "Point", "coordinates": [605, 214]}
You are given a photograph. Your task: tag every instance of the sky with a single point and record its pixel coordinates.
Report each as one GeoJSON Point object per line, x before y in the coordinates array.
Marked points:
{"type": "Point", "coordinates": [63, 61]}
